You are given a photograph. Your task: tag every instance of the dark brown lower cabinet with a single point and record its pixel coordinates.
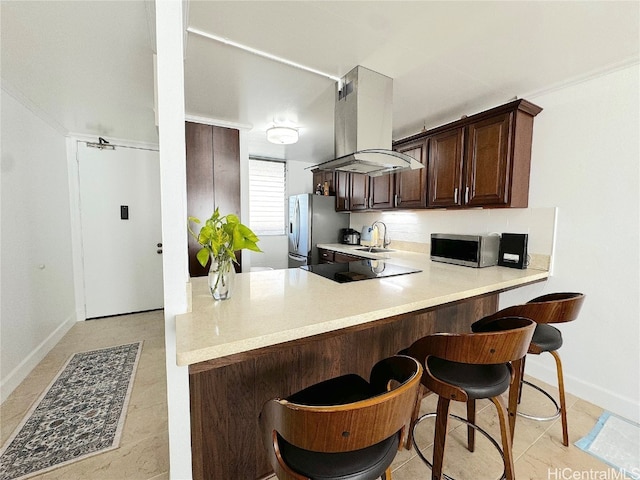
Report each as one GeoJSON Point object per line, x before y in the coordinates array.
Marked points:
{"type": "Point", "coordinates": [326, 256]}
{"type": "Point", "coordinates": [339, 257]}
{"type": "Point", "coordinates": [227, 394]}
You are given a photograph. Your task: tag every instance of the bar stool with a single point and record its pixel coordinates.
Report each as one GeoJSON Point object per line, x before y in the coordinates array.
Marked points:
{"type": "Point", "coordinates": [544, 310]}
{"type": "Point", "coordinates": [469, 366]}
{"type": "Point", "coordinates": [344, 428]}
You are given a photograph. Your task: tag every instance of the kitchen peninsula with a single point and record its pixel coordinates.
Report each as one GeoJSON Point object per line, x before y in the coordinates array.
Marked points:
{"type": "Point", "coordinates": [286, 329]}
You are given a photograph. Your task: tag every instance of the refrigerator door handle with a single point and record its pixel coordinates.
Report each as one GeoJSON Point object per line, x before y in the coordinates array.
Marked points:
{"type": "Point", "coordinates": [297, 260]}
{"type": "Point", "coordinates": [297, 220]}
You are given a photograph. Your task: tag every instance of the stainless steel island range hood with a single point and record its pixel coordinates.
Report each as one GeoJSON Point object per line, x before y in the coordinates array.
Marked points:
{"type": "Point", "coordinates": [363, 112]}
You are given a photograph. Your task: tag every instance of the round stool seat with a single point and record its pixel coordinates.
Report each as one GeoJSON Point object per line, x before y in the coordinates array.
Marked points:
{"type": "Point", "coordinates": [547, 338]}
{"type": "Point", "coordinates": [479, 381]}
{"type": "Point", "coordinates": [335, 391]}
{"type": "Point", "coordinates": [366, 464]}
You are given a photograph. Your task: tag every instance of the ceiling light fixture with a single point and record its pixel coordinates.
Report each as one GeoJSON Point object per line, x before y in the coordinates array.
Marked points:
{"type": "Point", "coordinates": [282, 135]}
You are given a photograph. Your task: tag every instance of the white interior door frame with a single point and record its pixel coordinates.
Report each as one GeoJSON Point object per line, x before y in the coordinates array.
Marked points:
{"type": "Point", "coordinates": [74, 200]}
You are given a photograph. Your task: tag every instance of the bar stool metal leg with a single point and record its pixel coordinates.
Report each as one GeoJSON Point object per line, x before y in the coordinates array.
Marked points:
{"type": "Point", "coordinates": [505, 428]}
{"type": "Point", "coordinates": [437, 470]}
{"type": "Point", "coordinates": [561, 410]}
{"type": "Point", "coordinates": [563, 403]}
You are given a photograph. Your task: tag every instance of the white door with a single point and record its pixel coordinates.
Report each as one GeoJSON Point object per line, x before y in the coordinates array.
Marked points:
{"type": "Point", "coordinates": [121, 229]}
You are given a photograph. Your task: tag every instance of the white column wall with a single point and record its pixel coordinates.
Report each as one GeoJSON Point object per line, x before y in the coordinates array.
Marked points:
{"type": "Point", "coordinates": [174, 214]}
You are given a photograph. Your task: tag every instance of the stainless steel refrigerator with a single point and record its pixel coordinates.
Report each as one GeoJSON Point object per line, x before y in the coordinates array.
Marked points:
{"type": "Point", "coordinates": [312, 220]}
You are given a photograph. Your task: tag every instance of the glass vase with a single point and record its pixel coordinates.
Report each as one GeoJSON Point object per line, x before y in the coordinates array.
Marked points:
{"type": "Point", "coordinates": [221, 277]}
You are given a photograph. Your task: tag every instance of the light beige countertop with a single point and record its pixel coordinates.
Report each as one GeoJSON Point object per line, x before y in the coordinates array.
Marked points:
{"type": "Point", "coordinates": [276, 306]}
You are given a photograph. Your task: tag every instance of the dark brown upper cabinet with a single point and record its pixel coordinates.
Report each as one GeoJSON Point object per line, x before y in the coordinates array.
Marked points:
{"type": "Point", "coordinates": [320, 177]}
{"type": "Point", "coordinates": [357, 192]}
{"type": "Point", "coordinates": [488, 162]}
{"type": "Point", "coordinates": [479, 161]}
{"type": "Point", "coordinates": [482, 160]}
{"type": "Point", "coordinates": [343, 187]}
{"type": "Point", "coordinates": [411, 186]}
{"type": "Point", "coordinates": [382, 191]}
{"type": "Point", "coordinates": [445, 168]}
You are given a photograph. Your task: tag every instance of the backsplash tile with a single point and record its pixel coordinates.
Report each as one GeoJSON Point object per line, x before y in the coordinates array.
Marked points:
{"type": "Point", "coordinates": [416, 227]}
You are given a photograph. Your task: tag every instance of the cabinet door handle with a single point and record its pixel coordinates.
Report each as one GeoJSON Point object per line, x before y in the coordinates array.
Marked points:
{"type": "Point", "coordinates": [455, 195]}
{"type": "Point", "coordinates": [395, 200]}
{"type": "Point", "coordinates": [466, 195]}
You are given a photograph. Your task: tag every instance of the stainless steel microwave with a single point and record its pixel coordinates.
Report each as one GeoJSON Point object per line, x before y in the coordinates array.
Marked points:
{"type": "Point", "coordinates": [468, 250]}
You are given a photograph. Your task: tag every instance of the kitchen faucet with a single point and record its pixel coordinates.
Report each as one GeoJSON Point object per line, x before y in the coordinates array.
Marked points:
{"type": "Point", "coordinates": [385, 238]}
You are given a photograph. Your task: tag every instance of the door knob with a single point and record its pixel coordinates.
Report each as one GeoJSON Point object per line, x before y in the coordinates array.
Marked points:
{"type": "Point", "coordinates": [159, 245]}
{"type": "Point", "coordinates": [159, 251]}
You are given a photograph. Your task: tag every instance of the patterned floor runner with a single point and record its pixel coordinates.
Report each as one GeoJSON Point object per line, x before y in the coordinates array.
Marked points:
{"type": "Point", "coordinates": [81, 413]}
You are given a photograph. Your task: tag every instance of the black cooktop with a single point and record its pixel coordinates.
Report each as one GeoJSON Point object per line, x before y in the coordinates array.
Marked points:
{"type": "Point", "coordinates": [358, 270]}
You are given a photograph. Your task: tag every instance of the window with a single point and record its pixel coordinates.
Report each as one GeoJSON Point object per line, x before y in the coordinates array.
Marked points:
{"type": "Point", "coordinates": [267, 196]}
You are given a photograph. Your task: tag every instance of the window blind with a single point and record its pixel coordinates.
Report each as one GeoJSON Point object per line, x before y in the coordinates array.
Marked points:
{"type": "Point", "coordinates": [267, 196]}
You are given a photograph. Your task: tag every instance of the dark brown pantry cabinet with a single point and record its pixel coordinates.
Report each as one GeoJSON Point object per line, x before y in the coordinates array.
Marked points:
{"type": "Point", "coordinates": [213, 177]}
{"type": "Point", "coordinates": [482, 160]}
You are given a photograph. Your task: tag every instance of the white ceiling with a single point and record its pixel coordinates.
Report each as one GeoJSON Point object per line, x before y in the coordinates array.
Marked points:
{"type": "Point", "coordinates": [87, 66]}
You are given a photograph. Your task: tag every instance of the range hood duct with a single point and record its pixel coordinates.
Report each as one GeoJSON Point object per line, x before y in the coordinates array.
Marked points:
{"type": "Point", "coordinates": [363, 112]}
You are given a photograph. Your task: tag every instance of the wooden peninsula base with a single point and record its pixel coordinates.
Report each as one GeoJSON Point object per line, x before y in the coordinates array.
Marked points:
{"type": "Point", "coordinates": [227, 393]}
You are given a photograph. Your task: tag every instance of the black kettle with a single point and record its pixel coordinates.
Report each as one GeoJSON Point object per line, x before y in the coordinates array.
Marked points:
{"type": "Point", "coordinates": [349, 236]}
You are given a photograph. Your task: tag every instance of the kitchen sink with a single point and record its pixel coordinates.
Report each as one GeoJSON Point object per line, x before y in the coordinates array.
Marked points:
{"type": "Point", "coordinates": [375, 250]}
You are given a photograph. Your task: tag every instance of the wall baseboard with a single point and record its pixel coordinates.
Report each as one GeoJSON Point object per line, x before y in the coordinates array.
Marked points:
{"type": "Point", "coordinates": [18, 374]}
{"type": "Point", "coordinates": [607, 399]}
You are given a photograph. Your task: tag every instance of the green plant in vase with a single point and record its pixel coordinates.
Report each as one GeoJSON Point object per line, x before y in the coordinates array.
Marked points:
{"type": "Point", "coordinates": [220, 237]}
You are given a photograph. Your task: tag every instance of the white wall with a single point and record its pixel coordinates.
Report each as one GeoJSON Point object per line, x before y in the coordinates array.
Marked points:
{"type": "Point", "coordinates": [585, 166]}
{"type": "Point", "coordinates": [586, 162]}
{"type": "Point", "coordinates": [37, 283]}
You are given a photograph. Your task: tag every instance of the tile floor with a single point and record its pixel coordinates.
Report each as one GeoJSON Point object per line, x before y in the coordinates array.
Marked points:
{"type": "Point", "coordinates": [143, 452]}
{"type": "Point", "coordinates": [144, 446]}
{"type": "Point", "coordinates": [537, 449]}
